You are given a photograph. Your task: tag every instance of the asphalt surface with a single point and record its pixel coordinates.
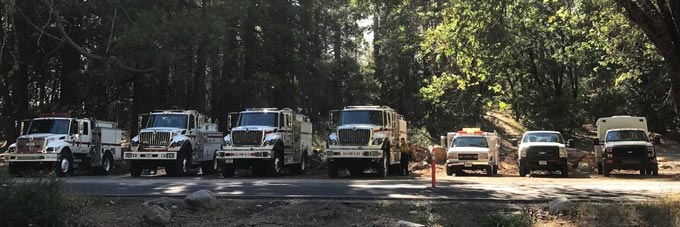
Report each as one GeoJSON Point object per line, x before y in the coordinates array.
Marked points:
{"type": "Point", "coordinates": [467, 188]}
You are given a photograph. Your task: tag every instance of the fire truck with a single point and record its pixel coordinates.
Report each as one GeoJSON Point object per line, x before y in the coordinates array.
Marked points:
{"type": "Point", "coordinates": [175, 139]}
{"type": "Point", "coordinates": [64, 143]}
{"type": "Point", "coordinates": [471, 149]}
{"type": "Point", "coordinates": [269, 140]}
{"type": "Point", "coordinates": [365, 136]}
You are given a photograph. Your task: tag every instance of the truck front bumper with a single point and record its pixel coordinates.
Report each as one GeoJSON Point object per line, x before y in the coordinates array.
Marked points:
{"type": "Point", "coordinates": [244, 153]}
{"type": "Point", "coordinates": [40, 157]}
{"type": "Point", "coordinates": [150, 155]}
{"type": "Point", "coordinates": [467, 164]}
{"type": "Point", "coordinates": [543, 164]}
{"type": "Point", "coordinates": [353, 152]}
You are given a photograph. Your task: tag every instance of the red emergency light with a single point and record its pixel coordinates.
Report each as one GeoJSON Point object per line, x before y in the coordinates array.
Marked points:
{"type": "Point", "coordinates": [55, 115]}
{"type": "Point", "coordinates": [472, 133]}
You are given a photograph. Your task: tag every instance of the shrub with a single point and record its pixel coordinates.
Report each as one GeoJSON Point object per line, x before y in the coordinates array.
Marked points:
{"type": "Point", "coordinates": [35, 202]}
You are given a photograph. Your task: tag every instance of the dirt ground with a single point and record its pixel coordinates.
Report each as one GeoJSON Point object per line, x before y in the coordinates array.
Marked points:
{"type": "Point", "coordinates": [127, 212]}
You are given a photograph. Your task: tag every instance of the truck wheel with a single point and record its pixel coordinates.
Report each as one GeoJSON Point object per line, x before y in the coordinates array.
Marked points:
{"type": "Point", "coordinates": [228, 170]}
{"type": "Point", "coordinates": [643, 171]}
{"type": "Point", "coordinates": [655, 171]}
{"type": "Point", "coordinates": [495, 169]}
{"type": "Point", "coordinates": [179, 167]}
{"type": "Point", "coordinates": [209, 167]}
{"type": "Point", "coordinates": [332, 170]}
{"type": "Point", "coordinates": [449, 171]}
{"type": "Point", "coordinates": [384, 167]}
{"type": "Point", "coordinates": [605, 170]}
{"type": "Point", "coordinates": [489, 170]}
{"type": "Point", "coordinates": [564, 172]}
{"type": "Point", "coordinates": [277, 164]}
{"type": "Point", "coordinates": [135, 169]}
{"type": "Point", "coordinates": [64, 165]}
{"type": "Point", "coordinates": [599, 168]}
{"type": "Point", "coordinates": [300, 168]}
{"type": "Point", "coordinates": [106, 165]}
{"type": "Point", "coordinates": [522, 170]}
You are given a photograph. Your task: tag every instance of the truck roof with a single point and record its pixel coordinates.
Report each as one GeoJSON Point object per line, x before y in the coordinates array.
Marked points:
{"type": "Point", "coordinates": [266, 110]}
{"type": "Point", "coordinates": [622, 122]}
{"type": "Point", "coordinates": [542, 132]}
{"type": "Point", "coordinates": [368, 108]}
{"type": "Point", "coordinates": [174, 111]}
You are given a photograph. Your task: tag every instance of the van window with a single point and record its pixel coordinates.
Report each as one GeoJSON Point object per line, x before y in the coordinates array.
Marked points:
{"type": "Point", "coordinates": [86, 128]}
{"type": "Point", "coordinates": [192, 121]}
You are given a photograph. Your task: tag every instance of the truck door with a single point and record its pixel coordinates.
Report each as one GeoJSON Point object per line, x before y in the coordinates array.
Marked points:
{"type": "Point", "coordinates": [84, 137]}
{"type": "Point", "coordinates": [142, 121]}
{"type": "Point", "coordinates": [25, 124]}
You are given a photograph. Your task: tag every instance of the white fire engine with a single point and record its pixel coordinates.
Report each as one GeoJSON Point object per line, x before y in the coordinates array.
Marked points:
{"type": "Point", "coordinates": [175, 139]}
{"type": "Point", "coordinates": [66, 143]}
{"type": "Point", "coordinates": [366, 136]}
{"type": "Point", "coordinates": [473, 149]}
{"type": "Point", "coordinates": [268, 140]}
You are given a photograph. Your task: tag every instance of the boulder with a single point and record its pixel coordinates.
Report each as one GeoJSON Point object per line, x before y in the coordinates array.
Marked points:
{"type": "Point", "coordinates": [401, 223]}
{"type": "Point", "coordinates": [203, 199]}
{"type": "Point", "coordinates": [560, 205]}
{"type": "Point", "coordinates": [163, 202]}
{"type": "Point", "coordinates": [156, 216]}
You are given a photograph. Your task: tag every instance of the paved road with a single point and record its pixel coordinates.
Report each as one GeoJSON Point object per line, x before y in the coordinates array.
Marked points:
{"type": "Point", "coordinates": [470, 188]}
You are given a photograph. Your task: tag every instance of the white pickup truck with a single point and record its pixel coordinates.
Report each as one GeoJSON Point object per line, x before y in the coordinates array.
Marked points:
{"type": "Point", "coordinates": [623, 143]}
{"type": "Point", "coordinates": [471, 149]}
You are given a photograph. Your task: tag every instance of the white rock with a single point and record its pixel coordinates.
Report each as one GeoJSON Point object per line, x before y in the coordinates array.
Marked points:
{"type": "Point", "coordinates": [203, 199]}
{"type": "Point", "coordinates": [560, 205]}
{"type": "Point", "coordinates": [401, 223]}
{"type": "Point", "coordinates": [413, 212]}
{"type": "Point", "coordinates": [163, 202]}
{"type": "Point", "coordinates": [156, 216]}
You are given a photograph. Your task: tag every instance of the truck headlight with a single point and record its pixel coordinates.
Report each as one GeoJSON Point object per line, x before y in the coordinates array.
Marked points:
{"type": "Point", "coordinates": [452, 156]}
{"type": "Point", "coordinates": [563, 152]}
{"type": "Point", "coordinates": [332, 142]}
{"type": "Point", "coordinates": [176, 143]}
{"type": "Point", "coordinates": [50, 149]}
{"type": "Point", "coordinates": [523, 153]}
{"type": "Point", "coordinates": [269, 142]}
{"type": "Point", "coordinates": [11, 150]}
{"type": "Point", "coordinates": [483, 156]}
{"type": "Point", "coordinates": [377, 141]}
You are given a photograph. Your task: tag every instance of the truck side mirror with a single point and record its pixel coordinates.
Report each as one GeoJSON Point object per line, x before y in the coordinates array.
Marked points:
{"type": "Point", "coordinates": [514, 142]}
{"type": "Point", "coordinates": [333, 118]}
{"type": "Point", "coordinates": [232, 120]}
{"type": "Point", "coordinates": [570, 143]}
{"type": "Point", "coordinates": [596, 141]}
{"type": "Point", "coordinates": [656, 140]}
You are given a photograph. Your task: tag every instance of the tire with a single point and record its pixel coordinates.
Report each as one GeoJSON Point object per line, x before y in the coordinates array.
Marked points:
{"type": "Point", "coordinates": [489, 170]}
{"type": "Point", "coordinates": [449, 171]}
{"type": "Point", "coordinates": [135, 169]}
{"type": "Point", "coordinates": [564, 172]}
{"type": "Point", "coordinates": [228, 170]}
{"type": "Point", "coordinates": [300, 168]}
{"type": "Point", "coordinates": [643, 171]}
{"type": "Point", "coordinates": [599, 168]}
{"type": "Point", "coordinates": [332, 170]}
{"type": "Point", "coordinates": [277, 164]}
{"type": "Point", "coordinates": [64, 165]}
{"type": "Point", "coordinates": [384, 167]}
{"type": "Point", "coordinates": [106, 165]}
{"type": "Point", "coordinates": [495, 169]}
{"type": "Point", "coordinates": [522, 170]}
{"type": "Point", "coordinates": [605, 170]}
{"type": "Point", "coordinates": [179, 167]}
{"type": "Point", "coordinates": [210, 167]}
{"type": "Point", "coordinates": [655, 172]}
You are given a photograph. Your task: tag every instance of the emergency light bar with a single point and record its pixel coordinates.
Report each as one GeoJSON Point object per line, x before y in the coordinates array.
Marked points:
{"type": "Point", "coordinates": [474, 131]}
{"type": "Point", "coordinates": [55, 115]}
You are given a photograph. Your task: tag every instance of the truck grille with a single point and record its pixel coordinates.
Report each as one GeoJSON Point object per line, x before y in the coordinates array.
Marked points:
{"type": "Point", "coordinates": [155, 139]}
{"type": "Point", "coordinates": [249, 138]}
{"type": "Point", "coordinates": [353, 137]}
{"type": "Point", "coordinates": [27, 145]}
{"type": "Point", "coordinates": [467, 156]}
{"type": "Point", "coordinates": [630, 152]}
{"type": "Point", "coordinates": [543, 152]}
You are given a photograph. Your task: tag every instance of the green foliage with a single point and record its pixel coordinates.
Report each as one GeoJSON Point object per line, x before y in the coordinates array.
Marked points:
{"type": "Point", "coordinates": [36, 202]}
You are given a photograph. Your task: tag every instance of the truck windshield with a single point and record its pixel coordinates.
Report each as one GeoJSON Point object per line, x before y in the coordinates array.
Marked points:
{"type": "Point", "coordinates": [258, 119]}
{"type": "Point", "coordinates": [626, 135]}
{"type": "Point", "coordinates": [361, 117]}
{"type": "Point", "coordinates": [470, 142]}
{"type": "Point", "coordinates": [48, 126]}
{"type": "Point", "coordinates": [167, 120]}
{"type": "Point", "coordinates": [542, 137]}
